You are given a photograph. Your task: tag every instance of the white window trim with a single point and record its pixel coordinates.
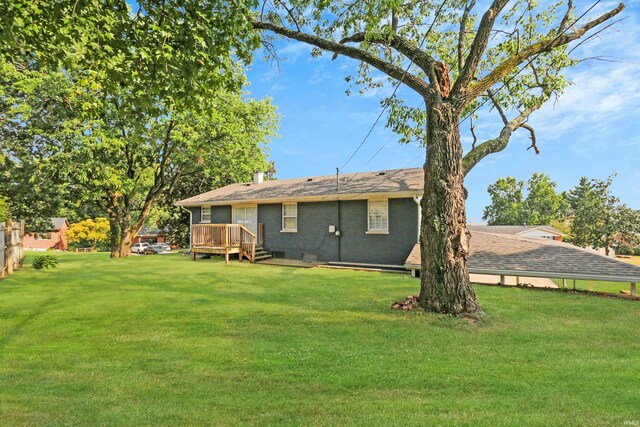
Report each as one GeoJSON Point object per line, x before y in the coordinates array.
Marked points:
{"type": "Point", "coordinates": [286, 230]}
{"type": "Point", "coordinates": [369, 230]}
{"type": "Point", "coordinates": [202, 221]}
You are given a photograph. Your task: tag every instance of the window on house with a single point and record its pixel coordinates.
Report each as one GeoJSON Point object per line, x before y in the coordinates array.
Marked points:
{"type": "Point", "coordinates": [378, 216]}
{"type": "Point", "coordinates": [43, 236]}
{"type": "Point", "coordinates": [205, 214]}
{"type": "Point", "coordinates": [289, 217]}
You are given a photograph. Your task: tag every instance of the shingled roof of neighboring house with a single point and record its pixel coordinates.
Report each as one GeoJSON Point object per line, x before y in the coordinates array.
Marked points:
{"type": "Point", "coordinates": [399, 181]}
{"type": "Point", "coordinates": [512, 229]}
{"type": "Point", "coordinates": [513, 255]}
{"type": "Point", "coordinates": [146, 231]}
{"type": "Point", "coordinates": [58, 223]}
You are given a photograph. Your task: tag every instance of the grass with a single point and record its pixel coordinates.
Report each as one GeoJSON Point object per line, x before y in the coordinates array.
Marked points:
{"type": "Point", "coordinates": [162, 340]}
{"type": "Point", "coordinates": [614, 287]}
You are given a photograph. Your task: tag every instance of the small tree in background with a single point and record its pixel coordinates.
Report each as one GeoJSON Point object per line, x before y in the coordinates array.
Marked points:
{"type": "Point", "coordinates": [598, 220]}
{"type": "Point", "coordinates": [506, 202]}
{"type": "Point", "coordinates": [90, 232]}
{"type": "Point", "coordinates": [542, 205]}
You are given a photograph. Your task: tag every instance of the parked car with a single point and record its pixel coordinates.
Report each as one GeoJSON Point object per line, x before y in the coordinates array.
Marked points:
{"type": "Point", "coordinates": [160, 248]}
{"type": "Point", "coordinates": [165, 246]}
{"type": "Point", "coordinates": [139, 248]}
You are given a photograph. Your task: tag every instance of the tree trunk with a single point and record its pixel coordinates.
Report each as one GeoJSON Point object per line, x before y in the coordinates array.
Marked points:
{"type": "Point", "coordinates": [444, 241]}
{"type": "Point", "coordinates": [121, 236]}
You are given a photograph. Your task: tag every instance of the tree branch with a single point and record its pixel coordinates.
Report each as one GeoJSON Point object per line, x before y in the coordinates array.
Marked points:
{"type": "Point", "coordinates": [534, 144]}
{"type": "Point", "coordinates": [498, 144]}
{"type": "Point", "coordinates": [415, 83]}
{"type": "Point", "coordinates": [546, 45]}
{"type": "Point", "coordinates": [402, 45]}
{"type": "Point", "coordinates": [478, 47]}
{"type": "Point", "coordinates": [461, 33]}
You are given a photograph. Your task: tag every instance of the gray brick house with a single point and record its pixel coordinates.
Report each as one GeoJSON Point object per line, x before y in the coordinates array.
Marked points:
{"type": "Point", "coordinates": [367, 218]}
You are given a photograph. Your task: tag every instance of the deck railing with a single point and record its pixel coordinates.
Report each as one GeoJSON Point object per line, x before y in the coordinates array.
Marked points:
{"type": "Point", "coordinates": [221, 238]}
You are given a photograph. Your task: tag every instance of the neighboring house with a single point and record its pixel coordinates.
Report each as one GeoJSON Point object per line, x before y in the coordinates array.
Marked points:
{"type": "Point", "coordinates": [543, 231]}
{"type": "Point", "coordinates": [54, 238]}
{"type": "Point", "coordinates": [366, 218]}
{"type": "Point", "coordinates": [147, 235]}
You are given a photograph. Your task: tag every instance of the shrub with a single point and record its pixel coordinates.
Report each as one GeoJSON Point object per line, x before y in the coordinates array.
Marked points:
{"type": "Point", "coordinates": [45, 261]}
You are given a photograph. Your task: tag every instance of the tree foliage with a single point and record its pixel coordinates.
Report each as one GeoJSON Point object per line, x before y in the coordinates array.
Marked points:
{"type": "Point", "coordinates": [506, 202]}
{"type": "Point", "coordinates": [542, 205]}
{"type": "Point", "coordinates": [89, 233]}
{"type": "Point", "coordinates": [598, 220]}
{"type": "Point", "coordinates": [5, 210]}
{"type": "Point", "coordinates": [118, 105]}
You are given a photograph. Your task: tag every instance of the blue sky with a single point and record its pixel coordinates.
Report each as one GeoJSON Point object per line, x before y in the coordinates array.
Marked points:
{"type": "Point", "coordinates": [591, 130]}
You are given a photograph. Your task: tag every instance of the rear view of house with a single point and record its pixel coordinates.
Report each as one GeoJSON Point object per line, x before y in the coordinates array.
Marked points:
{"type": "Point", "coordinates": [54, 238]}
{"type": "Point", "coordinates": [366, 218]}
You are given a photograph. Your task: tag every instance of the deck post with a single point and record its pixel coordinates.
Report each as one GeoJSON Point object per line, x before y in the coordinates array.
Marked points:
{"type": "Point", "coordinates": [634, 291]}
{"type": "Point", "coordinates": [241, 247]}
{"type": "Point", "coordinates": [226, 255]}
{"type": "Point", "coordinates": [193, 255]}
{"type": "Point", "coordinates": [502, 280]}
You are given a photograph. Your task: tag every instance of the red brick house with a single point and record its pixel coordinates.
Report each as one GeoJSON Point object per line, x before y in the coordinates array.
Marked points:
{"type": "Point", "coordinates": [55, 238]}
{"type": "Point", "coordinates": [147, 235]}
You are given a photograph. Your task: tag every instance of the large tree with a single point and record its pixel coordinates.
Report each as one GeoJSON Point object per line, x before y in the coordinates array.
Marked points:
{"type": "Point", "coordinates": [131, 99]}
{"type": "Point", "coordinates": [455, 59]}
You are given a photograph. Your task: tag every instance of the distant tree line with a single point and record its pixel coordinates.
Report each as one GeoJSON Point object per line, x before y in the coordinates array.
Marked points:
{"type": "Point", "coordinates": [589, 214]}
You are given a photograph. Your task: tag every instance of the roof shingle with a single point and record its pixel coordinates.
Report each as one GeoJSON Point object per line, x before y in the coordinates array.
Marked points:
{"type": "Point", "coordinates": [517, 254]}
{"type": "Point", "coordinates": [391, 181]}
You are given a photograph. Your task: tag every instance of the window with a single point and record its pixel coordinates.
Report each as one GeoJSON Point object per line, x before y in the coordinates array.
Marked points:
{"type": "Point", "coordinates": [42, 236]}
{"type": "Point", "coordinates": [205, 214]}
{"type": "Point", "coordinates": [289, 217]}
{"type": "Point", "coordinates": [378, 216]}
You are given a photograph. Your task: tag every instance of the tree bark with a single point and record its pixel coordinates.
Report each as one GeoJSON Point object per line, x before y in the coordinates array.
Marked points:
{"type": "Point", "coordinates": [444, 240]}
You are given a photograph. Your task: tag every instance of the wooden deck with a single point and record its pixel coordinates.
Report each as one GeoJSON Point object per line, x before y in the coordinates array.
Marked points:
{"type": "Point", "coordinates": [224, 239]}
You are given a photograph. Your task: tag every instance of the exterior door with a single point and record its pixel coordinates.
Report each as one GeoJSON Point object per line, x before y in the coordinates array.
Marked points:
{"type": "Point", "coordinates": [246, 216]}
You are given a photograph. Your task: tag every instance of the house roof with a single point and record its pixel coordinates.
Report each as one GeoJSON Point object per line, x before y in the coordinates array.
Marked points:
{"type": "Point", "coordinates": [146, 231]}
{"type": "Point", "coordinates": [400, 182]}
{"type": "Point", "coordinates": [514, 255]}
{"type": "Point", "coordinates": [58, 223]}
{"type": "Point", "coordinates": [513, 229]}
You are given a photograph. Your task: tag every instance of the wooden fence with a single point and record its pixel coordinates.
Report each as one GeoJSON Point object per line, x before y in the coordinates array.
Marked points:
{"type": "Point", "coordinates": [11, 246]}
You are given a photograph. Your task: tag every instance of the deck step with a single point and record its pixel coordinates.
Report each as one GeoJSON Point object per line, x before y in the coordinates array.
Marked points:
{"type": "Point", "coordinates": [262, 257]}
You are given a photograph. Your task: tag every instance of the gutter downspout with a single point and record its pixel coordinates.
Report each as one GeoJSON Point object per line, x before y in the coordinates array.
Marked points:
{"type": "Point", "coordinates": [418, 199]}
{"type": "Point", "coordinates": [190, 223]}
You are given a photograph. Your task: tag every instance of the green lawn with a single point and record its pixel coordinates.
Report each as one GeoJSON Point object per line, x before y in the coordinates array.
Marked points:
{"type": "Point", "coordinates": [613, 287]}
{"type": "Point", "coordinates": [164, 340]}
